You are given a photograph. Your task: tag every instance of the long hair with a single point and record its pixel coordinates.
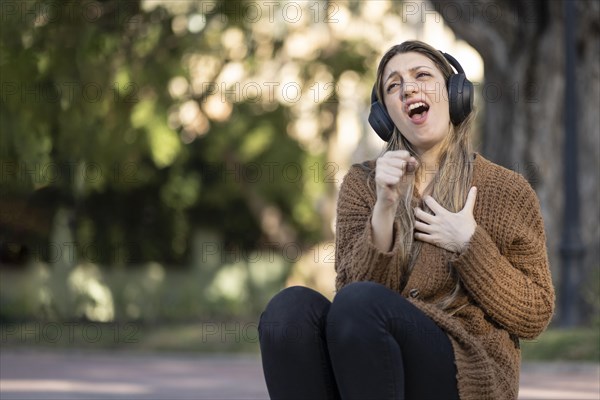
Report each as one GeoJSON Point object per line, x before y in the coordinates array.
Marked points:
{"type": "Point", "coordinates": [452, 180]}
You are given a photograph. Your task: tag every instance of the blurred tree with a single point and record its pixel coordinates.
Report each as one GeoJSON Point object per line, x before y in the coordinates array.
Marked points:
{"type": "Point", "coordinates": [522, 46]}
{"type": "Point", "coordinates": [127, 125]}
{"type": "Point", "coordinates": [144, 120]}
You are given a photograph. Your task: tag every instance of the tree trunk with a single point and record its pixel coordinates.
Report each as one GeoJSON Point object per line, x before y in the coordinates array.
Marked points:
{"type": "Point", "coordinates": [523, 48]}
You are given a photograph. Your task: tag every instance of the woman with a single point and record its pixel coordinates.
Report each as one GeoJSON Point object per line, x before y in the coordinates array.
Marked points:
{"type": "Point", "coordinates": [440, 258]}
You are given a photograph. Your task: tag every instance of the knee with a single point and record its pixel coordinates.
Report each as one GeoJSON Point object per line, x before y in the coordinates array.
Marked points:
{"type": "Point", "coordinates": [357, 298]}
{"type": "Point", "coordinates": [295, 304]}
{"type": "Point", "coordinates": [358, 309]}
{"type": "Point", "coordinates": [293, 315]}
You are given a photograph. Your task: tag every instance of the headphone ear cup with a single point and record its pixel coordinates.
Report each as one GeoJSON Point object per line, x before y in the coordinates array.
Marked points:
{"type": "Point", "coordinates": [460, 92]}
{"type": "Point", "coordinates": [460, 97]}
{"type": "Point", "coordinates": [468, 96]}
{"type": "Point", "coordinates": [381, 122]}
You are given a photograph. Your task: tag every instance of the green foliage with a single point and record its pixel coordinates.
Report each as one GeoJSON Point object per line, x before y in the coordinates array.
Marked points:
{"type": "Point", "coordinates": [90, 110]}
{"type": "Point", "coordinates": [130, 126]}
{"type": "Point", "coordinates": [237, 287]}
{"type": "Point", "coordinates": [564, 344]}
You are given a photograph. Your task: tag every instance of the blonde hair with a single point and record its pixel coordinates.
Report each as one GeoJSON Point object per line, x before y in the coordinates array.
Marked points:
{"type": "Point", "coordinates": [452, 180]}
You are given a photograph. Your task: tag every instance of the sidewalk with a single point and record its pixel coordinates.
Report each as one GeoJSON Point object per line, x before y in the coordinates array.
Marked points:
{"type": "Point", "coordinates": [25, 374]}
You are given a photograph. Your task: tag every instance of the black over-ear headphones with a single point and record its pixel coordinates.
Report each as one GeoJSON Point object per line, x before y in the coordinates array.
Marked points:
{"type": "Point", "coordinates": [460, 98]}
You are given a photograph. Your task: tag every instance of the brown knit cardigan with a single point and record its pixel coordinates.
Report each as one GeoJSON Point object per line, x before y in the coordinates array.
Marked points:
{"type": "Point", "coordinates": [504, 271]}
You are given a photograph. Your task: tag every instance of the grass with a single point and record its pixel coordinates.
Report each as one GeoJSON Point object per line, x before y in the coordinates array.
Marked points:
{"type": "Point", "coordinates": [581, 344]}
{"type": "Point", "coordinates": [208, 337]}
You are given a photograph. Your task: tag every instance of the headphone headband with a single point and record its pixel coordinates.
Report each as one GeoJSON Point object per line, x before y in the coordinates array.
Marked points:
{"type": "Point", "coordinates": [453, 62]}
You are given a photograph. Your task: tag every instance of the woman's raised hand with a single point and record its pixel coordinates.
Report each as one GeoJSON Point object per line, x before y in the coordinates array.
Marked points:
{"type": "Point", "coordinates": [391, 177]}
{"type": "Point", "coordinates": [445, 229]}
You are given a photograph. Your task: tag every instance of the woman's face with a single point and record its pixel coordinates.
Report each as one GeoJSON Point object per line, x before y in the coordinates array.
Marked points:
{"type": "Point", "coordinates": [415, 95]}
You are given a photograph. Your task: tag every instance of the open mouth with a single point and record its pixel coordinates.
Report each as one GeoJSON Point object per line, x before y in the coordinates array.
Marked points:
{"type": "Point", "coordinates": [417, 111]}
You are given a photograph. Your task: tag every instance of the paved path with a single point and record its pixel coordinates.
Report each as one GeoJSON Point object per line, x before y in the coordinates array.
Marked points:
{"type": "Point", "coordinates": [25, 374]}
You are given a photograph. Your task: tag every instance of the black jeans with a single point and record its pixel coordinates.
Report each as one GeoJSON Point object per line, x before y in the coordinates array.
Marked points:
{"type": "Point", "coordinates": [370, 343]}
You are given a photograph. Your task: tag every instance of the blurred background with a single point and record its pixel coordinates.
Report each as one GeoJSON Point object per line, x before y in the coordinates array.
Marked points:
{"type": "Point", "coordinates": [168, 166]}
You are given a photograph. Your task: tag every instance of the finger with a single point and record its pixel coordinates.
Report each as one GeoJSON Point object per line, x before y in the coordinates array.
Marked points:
{"type": "Point", "coordinates": [390, 176]}
{"type": "Point", "coordinates": [399, 175]}
{"type": "Point", "coordinates": [423, 216]}
{"type": "Point", "coordinates": [389, 167]}
{"type": "Point", "coordinates": [423, 237]}
{"type": "Point", "coordinates": [434, 205]}
{"type": "Point", "coordinates": [386, 159]}
{"type": "Point", "coordinates": [387, 179]}
{"type": "Point", "coordinates": [397, 162]}
{"type": "Point", "coordinates": [400, 155]}
{"type": "Point", "coordinates": [412, 165]}
{"type": "Point", "coordinates": [422, 227]}
{"type": "Point", "coordinates": [470, 203]}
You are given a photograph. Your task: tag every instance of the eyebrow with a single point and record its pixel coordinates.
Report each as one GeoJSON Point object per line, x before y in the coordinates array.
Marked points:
{"type": "Point", "coordinates": [410, 70]}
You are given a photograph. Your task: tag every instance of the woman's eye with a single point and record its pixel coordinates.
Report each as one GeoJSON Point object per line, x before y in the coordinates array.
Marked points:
{"type": "Point", "coordinates": [391, 87]}
{"type": "Point", "coordinates": [422, 74]}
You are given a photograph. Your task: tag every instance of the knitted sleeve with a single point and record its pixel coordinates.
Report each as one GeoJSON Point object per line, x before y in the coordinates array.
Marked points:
{"type": "Point", "coordinates": [356, 257]}
{"type": "Point", "coordinates": [509, 278]}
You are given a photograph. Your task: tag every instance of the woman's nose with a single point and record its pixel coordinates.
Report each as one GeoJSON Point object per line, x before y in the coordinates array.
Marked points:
{"type": "Point", "coordinates": [409, 88]}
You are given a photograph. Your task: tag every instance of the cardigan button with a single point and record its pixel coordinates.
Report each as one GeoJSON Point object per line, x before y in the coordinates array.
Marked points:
{"type": "Point", "coordinates": [414, 293]}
